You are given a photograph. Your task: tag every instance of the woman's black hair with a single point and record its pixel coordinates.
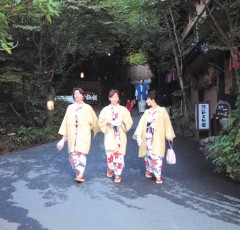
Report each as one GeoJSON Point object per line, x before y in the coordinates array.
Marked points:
{"type": "Point", "coordinates": [80, 91]}
{"type": "Point", "coordinates": [153, 96]}
{"type": "Point", "coordinates": [112, 92]}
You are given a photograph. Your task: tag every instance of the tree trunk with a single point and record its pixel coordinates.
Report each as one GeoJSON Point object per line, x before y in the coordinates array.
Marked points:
{"type": "Point", "coordinates": [178, 60]}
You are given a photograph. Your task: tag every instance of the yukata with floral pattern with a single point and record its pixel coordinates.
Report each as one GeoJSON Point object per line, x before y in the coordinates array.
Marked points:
{"type": "Point", "coordinates": [115, 121]}
{"type": "Point", "coordinates": [151, 133]}
{"type": "Point", "coordinates": [152, 161]}
{"type": "Point", "coordinates": [76, 128]}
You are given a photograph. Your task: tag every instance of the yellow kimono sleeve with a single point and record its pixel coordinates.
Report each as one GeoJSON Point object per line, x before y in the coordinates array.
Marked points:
{"type": "Point", "coordinates": [95, 126]}
{"type": "Point", "coordinates": [141, 127]}
{"type": "Point", "coordinates": [127, 120]}
{"type": "Point", "coordinates": [63, 127]}
{"type": "Point", "coordinates": [102, 121]}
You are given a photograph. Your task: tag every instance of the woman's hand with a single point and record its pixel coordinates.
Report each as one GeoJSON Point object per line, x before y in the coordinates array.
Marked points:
{"type": "Point", "coordinates": [116, 123]}
{"type": "Point", "coordinates": [139, 140]}
{"type": "Point", "coordinates": [108, 122]}
{"type": "Point", "coordinates": [60, 144]}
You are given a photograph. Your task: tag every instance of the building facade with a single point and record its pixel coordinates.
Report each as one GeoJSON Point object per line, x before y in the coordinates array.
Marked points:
{"type": "Point", "coordinates": [209, 73]}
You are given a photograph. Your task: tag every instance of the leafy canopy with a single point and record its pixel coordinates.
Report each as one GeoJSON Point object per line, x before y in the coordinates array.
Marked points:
{"type": "Point", "coordinates": [15, 12]}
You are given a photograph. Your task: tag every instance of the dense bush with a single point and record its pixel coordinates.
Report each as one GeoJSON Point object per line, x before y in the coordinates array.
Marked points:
{"type": "Point", "coordinates": [183, 124]}
{"type": "Point", "coordinates": [23, 137]}
{"type": "Point", "coordinates": [225, 150]}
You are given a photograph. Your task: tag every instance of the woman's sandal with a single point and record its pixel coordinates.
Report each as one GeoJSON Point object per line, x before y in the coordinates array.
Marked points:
{"type": "Point", "coordinates": [148, 174]}
{"type": "Point", "coordinates": [79, 177]}
{"type": "Point", "coordinates": [109, 173]}
{"type": "Point", "coordinates": [118, 179]}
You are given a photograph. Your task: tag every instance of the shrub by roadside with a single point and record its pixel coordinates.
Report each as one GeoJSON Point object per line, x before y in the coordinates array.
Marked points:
{"type": "Point", "coordinates": [23, 137]}
{"type": "Point", "coordinates": [224, 150]}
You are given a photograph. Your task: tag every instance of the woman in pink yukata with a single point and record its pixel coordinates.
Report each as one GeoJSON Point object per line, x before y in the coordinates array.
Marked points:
{"type": "Point", "coordinates": [115, 121]}
{"type": "Point", "coordinates": [151, 133]}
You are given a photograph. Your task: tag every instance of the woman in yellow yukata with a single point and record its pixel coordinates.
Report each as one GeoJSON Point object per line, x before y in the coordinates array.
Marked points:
{"type": "Point", "coordinates": [115, 121]}
{"type": "Point", "coordinates": [151, 133]}
{"type": "Point", "coordinates": [76, 128]}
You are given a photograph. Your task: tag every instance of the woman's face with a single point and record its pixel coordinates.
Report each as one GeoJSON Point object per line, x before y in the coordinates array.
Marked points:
{"type": "Point", "coordinates": [114, 99]}
{"type": "Point", "coordinates": [78, 96]}
{"type": "Point", "coordinates": [150, 101]}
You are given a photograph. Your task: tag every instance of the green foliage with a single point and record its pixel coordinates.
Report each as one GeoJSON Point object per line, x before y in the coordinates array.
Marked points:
{"type": "Point", "coordinates": [27, 27]}
{"type": "Point", "coordinates": [151, 34]}
{"type": "Point", "coordinates": [183, 124]}
{"type": "Point", "coordinates": [218, 47]}
{"type": "Point", "coordinates": [226, 156]}
{"type": "Point", "coordinates": [225, 34]}
{"type": "Point", "coordinates": [25, 136]}
{"type": "Point", "coordinates": [23, 103]}
{"type": "Point", "coordinates": [77, 17]}
{"type": "Point", "coordinates": [36, 109]}
{"type": "Point", "coordinates": [9, 77]}
{"type": "Point", "coordinates": [30, 135]}
{"type": "Point", "coordinates": [225, 150]}
{"type": "Point", "coordinates": [58, 114]}
{"type": "Point", "coordinates": [87, 32]}
{"type": "Point", "coordinates": [137, 59]}
{"type": "Point", "coordinates": [13, 12]}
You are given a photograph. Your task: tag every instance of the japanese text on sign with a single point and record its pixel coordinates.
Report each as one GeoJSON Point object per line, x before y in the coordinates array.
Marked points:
{"type": "Point", "coordinates": [223, 109]}
{"type": "Point", "coordinates": [89, 97]}
{"type": "Point", "coordinates": [203, 116]}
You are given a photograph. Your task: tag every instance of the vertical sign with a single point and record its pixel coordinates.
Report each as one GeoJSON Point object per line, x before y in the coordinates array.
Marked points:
{"type": "Point", "coordinates": [203, 116]}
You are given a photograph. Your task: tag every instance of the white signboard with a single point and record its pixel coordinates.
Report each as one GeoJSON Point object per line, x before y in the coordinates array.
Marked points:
{"type": "Point", "coordinates": [203, 116]}
{"type": "Point", "coordinates": [91, 97]}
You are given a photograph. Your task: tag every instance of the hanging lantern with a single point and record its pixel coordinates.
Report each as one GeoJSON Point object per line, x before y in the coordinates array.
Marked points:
{"type": "Point", "coordinates": [82, 75]}
{"type": "Point", "coordinates": [50, 104]}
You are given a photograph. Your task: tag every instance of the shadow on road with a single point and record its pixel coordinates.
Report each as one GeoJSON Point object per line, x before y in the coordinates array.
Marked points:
{"type": "Point", "coordinates": [37, 181]}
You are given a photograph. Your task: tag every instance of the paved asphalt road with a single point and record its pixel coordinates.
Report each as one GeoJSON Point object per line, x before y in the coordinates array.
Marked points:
{"type": "Point", "coordinates": [38, 191]}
